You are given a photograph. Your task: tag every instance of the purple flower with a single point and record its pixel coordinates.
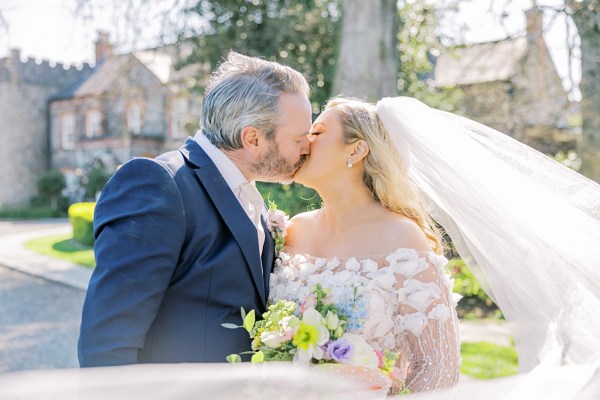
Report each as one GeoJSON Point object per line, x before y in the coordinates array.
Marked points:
{"type": "Point", "coordinates": [340, 350]}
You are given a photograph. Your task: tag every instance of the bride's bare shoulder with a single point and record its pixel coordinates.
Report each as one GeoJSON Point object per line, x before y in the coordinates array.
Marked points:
{"type": "Point", "coordinates": [298, 226]}
{"type": "Point", "coordinates": [402, 232]}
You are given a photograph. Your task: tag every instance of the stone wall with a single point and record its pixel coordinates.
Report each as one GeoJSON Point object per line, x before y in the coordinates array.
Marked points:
{"type": "Point", "coordinates": [25, 87]}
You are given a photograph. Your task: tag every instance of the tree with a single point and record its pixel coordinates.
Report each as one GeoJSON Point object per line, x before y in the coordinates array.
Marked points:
{"type": "Point", "coordinates": [368, 56]}
{"type": "Point", "coordinates": [50, 186]}
{"type": "Point", "coordinates": [586, 16]}
{"type": "Point", "coordinates": [302, 34]}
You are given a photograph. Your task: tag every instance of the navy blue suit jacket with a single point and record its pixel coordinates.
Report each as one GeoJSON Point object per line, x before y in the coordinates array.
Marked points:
{"type": "Point", "coordinates": [176, 257]}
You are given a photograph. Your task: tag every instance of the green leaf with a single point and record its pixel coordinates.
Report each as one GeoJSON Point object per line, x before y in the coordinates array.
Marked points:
{"type": "Point", "coordinates": [243, 312]}
{"type": "Point", "coordinates": [231, 326]}
{"type": "Point", "coordinates": [233, 358]}
{"type": "Point", "coordinates": [258, 357]}
{"type": "Point", "coordinates": [249, 321]}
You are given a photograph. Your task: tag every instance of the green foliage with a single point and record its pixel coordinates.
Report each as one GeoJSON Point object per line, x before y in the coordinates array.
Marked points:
{"type": "Point", "coordinates": [34, 212]}
{"type": "Point", "coordinates": [569, 160]}
{"type": "Point", "coordinates": [484, 360]}
{"type": "Point", "coordinates": [302, 34]}
{"type": "Point", "coordinates": [475, 303]}
{"type": "Point", "coordinates": [81, 216]}
{"type": "Point", "coordinates": [63, 247]}
{"type": "Point", "coordinates": [291, 199]}
{"type": "Point", "coordinates": [96, 178]}
{"type": "Point", "coordinates": [49, 191]}
{"type": "Point", "coordinates": [419, 45]}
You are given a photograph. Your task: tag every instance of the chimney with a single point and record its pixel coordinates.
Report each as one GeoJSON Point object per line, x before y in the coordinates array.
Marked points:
{"type": "Point", "coordinates": [15, 54]}
{"type": "Point", "coordinates": [534, 23]}
{"type": "Point", "coordinates": [103, 47]}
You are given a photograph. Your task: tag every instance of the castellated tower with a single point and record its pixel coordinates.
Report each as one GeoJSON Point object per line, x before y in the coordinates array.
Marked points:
{"type": "Point", "coordinates": [25, 88]}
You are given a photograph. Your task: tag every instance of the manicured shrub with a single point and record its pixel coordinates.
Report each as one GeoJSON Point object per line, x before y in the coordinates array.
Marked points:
{"type": "Point", "coordinates": [81, 216]}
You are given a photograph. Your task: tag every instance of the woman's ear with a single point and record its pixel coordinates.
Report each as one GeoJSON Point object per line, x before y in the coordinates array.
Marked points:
{"type": "Point", "coordinates": [251, 139]}
{"type": "Point", "coordinates": [361, 150]}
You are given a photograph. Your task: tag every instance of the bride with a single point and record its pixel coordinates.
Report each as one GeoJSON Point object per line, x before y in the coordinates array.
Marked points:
{"type": "Point", "coordinates": [373, 225]}
{"type": "Point", "coordinates": [526, 226]}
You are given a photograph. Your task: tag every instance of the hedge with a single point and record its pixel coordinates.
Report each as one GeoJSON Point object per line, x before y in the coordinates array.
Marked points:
{"type": "Point", "coordinates": [81, 216]}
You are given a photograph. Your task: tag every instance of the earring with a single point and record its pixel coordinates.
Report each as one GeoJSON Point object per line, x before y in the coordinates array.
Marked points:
{"type": "Point", "coordinates": [349, 163]}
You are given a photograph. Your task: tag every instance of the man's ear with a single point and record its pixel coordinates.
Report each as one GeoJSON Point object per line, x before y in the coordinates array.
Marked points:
{"type": "Point", "coordinates": [361, 150]}
{"type": "Point", "coordinates": [251, 138]}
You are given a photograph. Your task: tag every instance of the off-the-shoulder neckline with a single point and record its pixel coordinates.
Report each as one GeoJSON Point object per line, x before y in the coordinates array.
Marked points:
{"type": "Point", "coordinates": [293, 252]}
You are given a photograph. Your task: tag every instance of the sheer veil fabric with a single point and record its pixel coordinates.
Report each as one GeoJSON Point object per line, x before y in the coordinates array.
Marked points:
{"type": "Point", "coordinates": [527, 226]}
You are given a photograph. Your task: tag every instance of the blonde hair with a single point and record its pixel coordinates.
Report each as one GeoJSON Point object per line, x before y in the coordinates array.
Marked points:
{"type": "Point", "coordinates": [385, 174]}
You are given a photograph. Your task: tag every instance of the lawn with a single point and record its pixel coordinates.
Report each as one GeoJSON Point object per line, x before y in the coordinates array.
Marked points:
{"type": "Point", "coordinates": [64, 248]}
{"type": "Point", "coordinates": [483, 360]}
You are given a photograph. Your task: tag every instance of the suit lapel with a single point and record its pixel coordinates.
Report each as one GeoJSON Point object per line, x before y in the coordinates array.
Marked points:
{"type": "Point", "coordinates": [230, 210]}
{"type": "Point", "coordinates": [268, 256]}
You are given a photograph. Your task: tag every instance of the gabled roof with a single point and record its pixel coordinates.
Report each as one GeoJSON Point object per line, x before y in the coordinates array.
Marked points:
{"type": "Point", "coordinates": [160, 64]}
{"type": "Point", "coordinates": [479, 63]}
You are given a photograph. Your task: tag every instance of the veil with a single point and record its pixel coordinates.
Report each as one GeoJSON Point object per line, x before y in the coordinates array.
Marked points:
{"type": "Point", "coordinates": [528, 227]}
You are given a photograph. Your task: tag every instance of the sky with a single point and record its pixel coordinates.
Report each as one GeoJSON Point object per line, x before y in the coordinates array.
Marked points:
{"type": "Point", "coordinates": [53, 30]}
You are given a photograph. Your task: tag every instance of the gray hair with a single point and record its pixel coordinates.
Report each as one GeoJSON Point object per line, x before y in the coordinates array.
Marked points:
{"type": "Point", "coordinates": [244, 91]}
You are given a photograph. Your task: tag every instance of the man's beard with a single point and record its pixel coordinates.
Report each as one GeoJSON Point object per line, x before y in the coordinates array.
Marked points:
{"type": "Point", "coordinates": [275, 166]}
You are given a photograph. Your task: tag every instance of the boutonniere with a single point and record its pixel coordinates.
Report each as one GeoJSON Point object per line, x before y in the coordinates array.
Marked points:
{"type": "Point", "coordinates": [277, 222]}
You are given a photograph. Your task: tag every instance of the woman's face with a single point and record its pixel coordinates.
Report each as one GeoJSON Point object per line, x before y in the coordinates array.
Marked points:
{"type": "Point", "coordinates": [328, 153]}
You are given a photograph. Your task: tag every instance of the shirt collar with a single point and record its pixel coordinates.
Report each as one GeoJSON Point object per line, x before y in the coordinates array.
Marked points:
{"type": "Point", "coordinates": [231, 173]}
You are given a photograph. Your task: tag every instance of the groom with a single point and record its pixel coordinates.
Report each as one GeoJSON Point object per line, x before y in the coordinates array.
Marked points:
{"type": "Point", "coordinates": [180, 241]}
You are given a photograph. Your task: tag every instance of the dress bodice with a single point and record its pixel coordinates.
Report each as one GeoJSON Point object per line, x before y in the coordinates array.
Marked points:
{"type": "Point", "coordinates": [401, 301]}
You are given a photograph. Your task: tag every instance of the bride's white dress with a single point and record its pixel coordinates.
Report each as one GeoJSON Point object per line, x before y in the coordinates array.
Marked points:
{"type": "Point", "coordinates": [401, 301]}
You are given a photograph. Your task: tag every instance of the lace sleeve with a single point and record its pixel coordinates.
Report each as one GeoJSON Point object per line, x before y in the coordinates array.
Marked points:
{"type": "Point", "coordinates": [427, 324]}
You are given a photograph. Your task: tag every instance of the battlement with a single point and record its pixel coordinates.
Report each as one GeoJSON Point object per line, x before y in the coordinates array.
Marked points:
{"type": "Point", "coordinates": [41, 72]}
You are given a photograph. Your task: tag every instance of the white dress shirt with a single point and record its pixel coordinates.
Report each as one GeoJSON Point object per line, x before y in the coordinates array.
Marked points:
{"type": "Point", "coordinates": [244, 190]}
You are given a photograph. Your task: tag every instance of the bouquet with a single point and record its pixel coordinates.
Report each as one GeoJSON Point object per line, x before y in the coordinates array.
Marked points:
{"type": "Point", "coordinates": [313, 333]}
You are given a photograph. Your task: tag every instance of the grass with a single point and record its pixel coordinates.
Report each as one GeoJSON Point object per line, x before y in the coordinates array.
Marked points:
{"type": "Point", "coordinates": [64, 248]}
{"type": "Point", "coordinates": [483, 360]}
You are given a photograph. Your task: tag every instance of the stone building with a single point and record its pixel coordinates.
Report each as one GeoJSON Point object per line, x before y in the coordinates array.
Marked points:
{"type": "Point", "coordinates": [511, 85]}
{"type": "Point", "coordinates": [55, 117]}
{"type": "Point", "coordinates": [25, 88]}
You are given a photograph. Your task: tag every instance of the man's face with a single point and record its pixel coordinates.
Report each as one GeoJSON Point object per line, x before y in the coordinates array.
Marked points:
{"type": "Point", "coordinates": [290, 145]}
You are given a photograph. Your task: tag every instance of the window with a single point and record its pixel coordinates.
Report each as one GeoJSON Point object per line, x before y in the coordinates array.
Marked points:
{"type": "Point", "coordinates": [178, 112]}
{"type": "Point", "coordinates": [134, 118]}
{"type": "Point", "coordinates": [67, 131]}
{"type": "Point", "coordinates": [93, 123]}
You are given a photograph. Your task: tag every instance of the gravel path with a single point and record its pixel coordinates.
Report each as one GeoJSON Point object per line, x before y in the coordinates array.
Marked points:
{"type": "Point", "coordinates": [39, 322]}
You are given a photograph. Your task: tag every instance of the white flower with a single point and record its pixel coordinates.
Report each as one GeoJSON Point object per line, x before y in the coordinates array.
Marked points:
{"type": "Point", "coordinates": [297, 260]}
{"type": "Point", "coordinates": [333, 263]}
{"type": "Point", "coordinates": [363, 356]}
{"type": "Point", "coordinates": [402, 255]}
{"type": "Point", "coordinates": [378, 326]}
{"type": "Point", "coordinates": [417, 294]}
{"type": "Point", "coordinates": [440, 312]}
{"type": "Point", "coordinates": [438, 260]}
{"type": "Point", "coordinates": [343, 278]}
{"type": "Point", "coordinates": [307, 269]}
{"type": "Point", "coordinates": [277, 219]}
{"type": "Point", "coordinates": [274, 339]}
{"type": "Point", "coordinates": [388, 341]}
{"type": "Point", "coordinates": [332, 321]}
{"type": "Point", "coordinates": [414, 322]}
{"type": "Point", "coordinates": [409, 268]}
{"type": "Point", "coordinates": [385, 281]}
{"type": "Point", "coordinates": [352, 264]}
{"type": "Point", "coordinates": [310, 335]}
{"type": "Point", "coordinates": [369, 265]}
{"type": "Point", "coordinates": [289, 272]}
{"type": "Point", "coordinates": [320, 262]}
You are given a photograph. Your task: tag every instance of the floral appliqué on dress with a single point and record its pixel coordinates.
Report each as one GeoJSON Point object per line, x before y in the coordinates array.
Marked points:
{"type": "Point", "coordinates": [402, 301]}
